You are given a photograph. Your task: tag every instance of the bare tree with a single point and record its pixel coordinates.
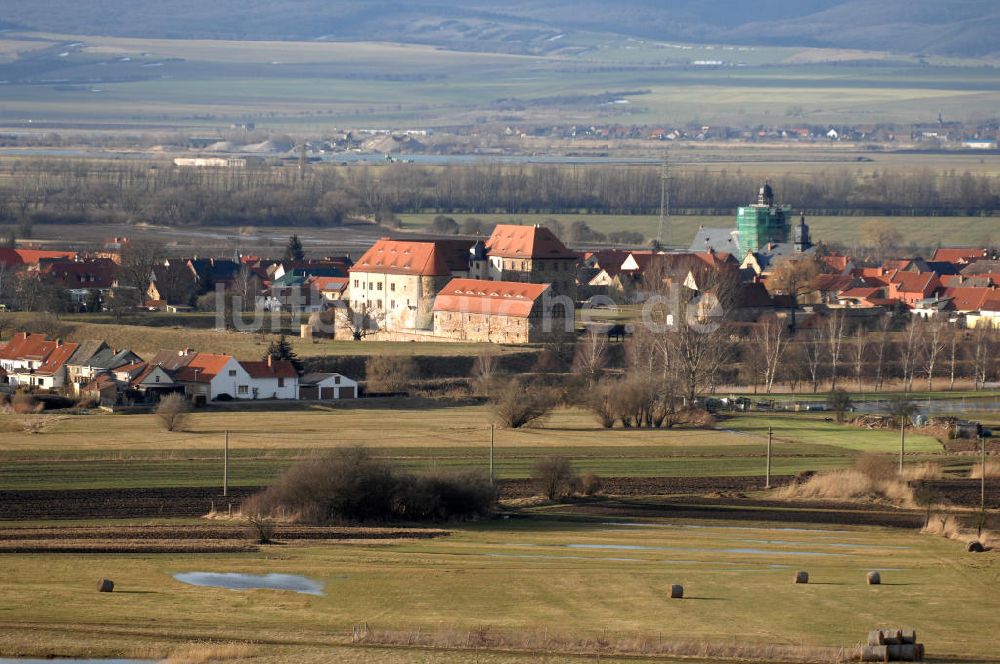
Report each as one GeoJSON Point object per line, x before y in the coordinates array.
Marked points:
{"type": "Point", "coordinates": [909, 351]}
{"type": "Point", "coordinates": [933, 341]}
{"type": "Point", "coordinates": [834, 336]}
{"type": "Point", "coordinates": [361, 321]}
{"type": "Point", "coordinates": [954, 350]}
{"type": "Point", "coordinates": [769, 343]}
{"type": "Point", "coordinates": [814, 351]}
{"type": "Point", "coordinates": [881, 341]}
{"type": "Point", "coordinates": [982, 353]}
{"type": "Point", "coordinates": [859, 354]}
{"type": "Point", "coordinates": [138, 259]}
{"type": "Point", "coordinates": [796, 279]}
{"type": "Point", "coordinates": [591, 356]}
{"type": "Point", "coordinates": [173, 411]}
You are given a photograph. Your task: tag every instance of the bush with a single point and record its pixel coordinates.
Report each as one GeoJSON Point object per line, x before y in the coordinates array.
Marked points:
{"type": "Point", "coordinates": [26, 404]}
{"type": "Point", "coordinates": [260, 529]}
{"type": "Point", "coordinates": [839, 401]}
{"type": "Point", "coordinates": [601, 402]}
{"type": "Point", "coordinates": [555, 477]}
{"type": "Point", "coordinates": [591, 484]}
{"type": "Point", "coordinates": [876, 466]}
{"type": "Point", "coordinates": [173, 411]}
{"type": "Point", "coordinates": [390, 373]}
{"type": "Point", "coordinates": [349, 485]}
{"type": "Point", "coordinates": [517, 405]}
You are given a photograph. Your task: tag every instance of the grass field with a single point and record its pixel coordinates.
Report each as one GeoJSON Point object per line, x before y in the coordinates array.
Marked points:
{"type": "Point", "coordinates": [316, 85]}
{"type": "Point", "coordinates": [846, 230]}
{"type": "Point", "coordinates": [538, 580]}
{"type": "Point", "coordinates": [128, 451]}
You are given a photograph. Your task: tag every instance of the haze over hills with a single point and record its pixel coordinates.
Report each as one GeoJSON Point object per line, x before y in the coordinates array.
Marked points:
{"type": "Point", "coordinates": [955, 28]}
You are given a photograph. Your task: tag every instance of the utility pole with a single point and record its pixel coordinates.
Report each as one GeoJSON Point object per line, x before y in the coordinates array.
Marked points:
{"type": "Point", "coordinates": [902, 441]}
{"type": "Point", "coordinates": [664, 201]}
{"type": "Point", "coordinates": [982, 485]}
{"type": "Point", "coordinates": [767, 478]}
{"type": "Point", "coordinates": [492, 440]}
{"type": "Point", "coordinates": [225, 468]}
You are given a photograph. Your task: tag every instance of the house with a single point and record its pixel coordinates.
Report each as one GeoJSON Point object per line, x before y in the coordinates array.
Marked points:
{"type": "Point", "coordinates": [500, 312]}
{"type": "Point", "coordinates": [272, 379]}
{"type": "Point", "coordinates": [103, 388]}
{"type": "Point", "coordinates": [172, 284]}
{"type": "Point", "coordinates": [154, 382]}
{"type": "Point", "coordinates": [30, 258]}
{"type": "Point", "coordinates": [93, 358]}
{"type": "Point", "coordinates": [960, 255]}
{"type": "Point", "coordinates": [531, 254]}
{"type": "Point", "coordinates": [212, 376]}
{"type": "Point", "coordinates": [330, 289]}
{"type": "Point", "coordinates": [327, 386]}
{"type": "Point", "coordinates": [32, 360]}
{"type": "Point", "coordinates": [911, 287]}
{"type": "Point", "coordinates": [82, 279]}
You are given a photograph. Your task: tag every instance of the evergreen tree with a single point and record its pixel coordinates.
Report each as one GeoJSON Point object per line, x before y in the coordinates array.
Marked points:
{"type": "Point", "coordinates": [282, 350]}
{"type": "Point", "coordinates": [293, 250]}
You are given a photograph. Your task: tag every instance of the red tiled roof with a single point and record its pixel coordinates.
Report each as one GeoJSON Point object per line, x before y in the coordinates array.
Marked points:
{"type": "Point", "coordinates": [403, 257]}
{"type": "Point", "coordinates": [477, 296]}
{"type": "Point", "coordinates": [203, 367]}
{"type": "Point", "coordinates": [98, 273]}
{"type": "Point", "coordinates": [832, 282]}
{"type": "Point", "coordinates": [836, 262]}
{"type": "Point", "coordinates": [969, 299]}
{"type": "Point", "coordinates": [510, 241]}
{"type": "Point", "coordinates": [959, 254]}
{"type": "Point", "coordinates": [27, 346]}
{"type": "Point", "coordinates": [913, 282]}
{"type": "Point", "coordinates": [15, 257]}
{"type": "Point", "coordinates": [272, 369]}
{"type": "Point", "coordinates": [57, 358]}
{"type": "Point", "coordinates": [329, 283]}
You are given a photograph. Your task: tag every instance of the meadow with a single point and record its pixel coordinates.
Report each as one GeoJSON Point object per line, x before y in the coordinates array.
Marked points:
{"type": "Point", "coordinates": [541, 582]}
{"type": "Point", "coordinates": [295, 85]}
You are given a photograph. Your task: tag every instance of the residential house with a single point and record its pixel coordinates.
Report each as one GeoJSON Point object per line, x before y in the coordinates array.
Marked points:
{"type": "Point", "coordinates": [272, 379]}
{"type": "Point", "coordinates": [34, 361]}
{"type": "Point", "coordinates": [211, 376]}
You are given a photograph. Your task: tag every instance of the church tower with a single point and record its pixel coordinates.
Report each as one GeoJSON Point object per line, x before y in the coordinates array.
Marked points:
{"type": "Point", "coordinates": [763, 222]}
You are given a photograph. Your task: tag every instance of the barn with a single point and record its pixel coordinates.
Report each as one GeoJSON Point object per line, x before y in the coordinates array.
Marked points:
{"type": "Point", "coordinates": [327, 387]}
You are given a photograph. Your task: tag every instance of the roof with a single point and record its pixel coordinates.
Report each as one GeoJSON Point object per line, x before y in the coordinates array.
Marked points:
{"type": "Point", "coordinates": [272, 369]}
{"type": "Point", "coordinates": [203, 367]}
{"type": "Point", "coordinates": [57, 358]}
{"type": "Point", "coordinates": [99, 383]}
{"type": "Point", "coordinates": [172, 360]}
{"type": "Point", "coordinates": [719, 239]}
{"type": "Point", "coordinates": [913, 282]}
{"type": "Point", "coordinates": [329, 283]}
{"type": "Point", "coordinates": [26, 346]}
{"type": "Point", "coordinates": [958, 254]}
{"type": "Point", "coordinates": [17, 257]}
{"type": "Point", "coordinates": [478, 296]}
{"type": "Point", "coordinates": [316, 378]}
{"type": "Point", "coordinates": [832, 282]}
{"type": "Point", "coordinates": [99, 273]}
{"type": "Point", "coordinates": [969, 299]}
{"type": "Point", "coordinates": [511, 241]}
{"type": "Point", "coordinates": [85, 350]}
{"type": "Point", "coordinates": [108, 358]}
{"type": "Point", "coordinates": [404, 257]}
{"type": "Point", "coordinates": [836, 262]}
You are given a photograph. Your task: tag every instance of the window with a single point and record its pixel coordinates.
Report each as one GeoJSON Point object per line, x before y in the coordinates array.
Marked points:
{"type": "Point", "coordinates": [380, 285]}
{"type": "Point", "coordinates": [379, 304]}
{"type": "Point", "coordinates": [232, 372]}
{"type": "Point", "coordinates": [355, 283]}
{"type": "Point", "coordinates": [336, 380]}
{"type": "Point", "coordinates": [392, 304]}
{"type": "Point", "coordinates": [243, 389]}
{"type": "Point", "coordinates": [281, 382]}
{"type": "Point", "coordinates": [392, 287]}
{"type": "Point", "coordinates": [156, 379]}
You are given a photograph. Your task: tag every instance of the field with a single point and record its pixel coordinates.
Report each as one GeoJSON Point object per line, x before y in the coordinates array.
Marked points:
{"type": "Point", "coordinates": [544, 582]}
{"type": "Point", "coordinates": [316, 86]}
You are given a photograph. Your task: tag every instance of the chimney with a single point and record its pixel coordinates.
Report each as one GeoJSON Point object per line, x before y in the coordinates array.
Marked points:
{"type": "Point", "coordinates": [270, 360]}
{"type": "Point", "coordinates": [58, 343]}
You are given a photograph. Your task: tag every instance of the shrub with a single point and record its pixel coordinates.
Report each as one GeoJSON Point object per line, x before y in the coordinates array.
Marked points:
{"type": "Point", "coordinates": [591, 484]}
{"type": "Point", "coordinates": [601, 402]}
{"type": "Point", "coordinates": [850, 486]}
{"type": "Point", "coordinates": [349, 485]}
{"type": "Point", "coordinates": [260, 529]}
{"type": "Point", "coordinates": [390, 373]}
{"type": "Point", "coordinates": [839, 401]}
{"type": "Point", "coordinates": [26, 404]}
{"type": "Point", "coordinates": [876, 466]}
{"type": "Point", "coordinates": [554, 476]}
{"type": "Point", "coordinates": [517, 405]}
{"type": "Point", "coordinates": [173, 412]}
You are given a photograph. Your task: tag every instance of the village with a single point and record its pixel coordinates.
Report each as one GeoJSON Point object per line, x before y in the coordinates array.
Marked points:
{"type": "Point", "coordinates": [520, 286]}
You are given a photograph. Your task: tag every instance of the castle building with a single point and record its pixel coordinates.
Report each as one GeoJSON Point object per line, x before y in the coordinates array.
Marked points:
{"type": "Point", "coordinates": [527, 254]}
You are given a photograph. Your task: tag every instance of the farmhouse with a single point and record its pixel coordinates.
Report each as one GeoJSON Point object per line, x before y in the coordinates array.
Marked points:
{"type": "Point", "coordinates": [500, 312]}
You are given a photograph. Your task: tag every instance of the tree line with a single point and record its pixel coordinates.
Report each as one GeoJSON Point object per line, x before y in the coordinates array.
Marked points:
{"type": "Point", "coordinates": [81, 190]}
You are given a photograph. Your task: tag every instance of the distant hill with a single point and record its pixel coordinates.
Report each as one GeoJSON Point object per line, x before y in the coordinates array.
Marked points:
{"type": "Point", "coordinates": [955, 27]}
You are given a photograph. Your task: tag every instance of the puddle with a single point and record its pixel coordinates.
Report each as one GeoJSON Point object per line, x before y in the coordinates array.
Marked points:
{"type": "Point", "coordinates": [292, 582]}
{"type": "Point", "coordinates": [837, 545]}
{"type": "Point", "coordinates": [747, 551]}
{"type": "Point", "coordinates": [820, 531]}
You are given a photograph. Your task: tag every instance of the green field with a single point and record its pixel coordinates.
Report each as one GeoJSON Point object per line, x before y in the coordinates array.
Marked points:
{"type": "Point", "coordinates": [98, 451]}
{"type": "Point", "coordinates": [682, 230]}
{"type": "Point", "coordinates": [535, 580]}
{"type": "Point", "coordinates": [309, 86]}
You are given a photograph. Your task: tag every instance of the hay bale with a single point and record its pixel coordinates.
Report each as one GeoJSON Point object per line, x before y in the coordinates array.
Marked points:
{"type": "Point", "coordinates": [875, 654]}
{"type": "Point", "coordinates": [874, 578]}
{"type": "Point", "coordinates": [907, 636]}
{"type": "Point", "coordinates": [802, 577]}
{"type": "Point", "coordinates": [875, 638]}
{"type": "Point", "coordinates": [906, 652]}
{"type": "Point", "coordinates": [105, 586]}
{"type": "Point", "coordinates": [676, 591]}
{"type": "Point", "coordinates": [975, 547]}
{"type": "Point", "coordinates": [892, 637]}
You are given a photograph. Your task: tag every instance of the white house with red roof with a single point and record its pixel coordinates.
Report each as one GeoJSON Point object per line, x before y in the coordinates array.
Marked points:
{"type": "Point", "coordinates": [272, 379]}
{"type": "Point", "coordinates": [33, 360]}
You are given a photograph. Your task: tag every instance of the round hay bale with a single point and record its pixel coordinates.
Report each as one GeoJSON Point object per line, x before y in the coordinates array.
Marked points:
{"type": "Point", "coordinates": [802, 577]}
{"type": "Point", "coordinates": [875, 654]}
{"type": "Point", "coordinates": [908, 636]}
{"type": "Point", "coordinates": [676, 591]}
{"type": "Point", "coordinates": [105, 586]}
{"type": "Point", "coordinates": [905, 652]}
{"type": "Point", "coordinates": [875, 638]}
{"type": "Point", "coordinates": [874, 578]}
{"type": "Point", "coordinates": [975, 547]}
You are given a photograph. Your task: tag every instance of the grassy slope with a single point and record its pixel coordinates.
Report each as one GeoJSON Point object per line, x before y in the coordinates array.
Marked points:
{"type": "Point", "coordinates": [524, 577]}
{"type": "Point", "coordinates": [132, 451]}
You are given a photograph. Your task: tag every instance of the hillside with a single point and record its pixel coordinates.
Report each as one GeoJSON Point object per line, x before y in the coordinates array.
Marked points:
{"type": "Point", "coordinates": [956, 28]}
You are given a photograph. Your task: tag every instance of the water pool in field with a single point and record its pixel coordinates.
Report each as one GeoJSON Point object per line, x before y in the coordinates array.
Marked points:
{"type": "Point", "coordinates": [233, 581]}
